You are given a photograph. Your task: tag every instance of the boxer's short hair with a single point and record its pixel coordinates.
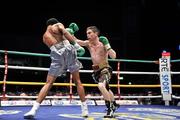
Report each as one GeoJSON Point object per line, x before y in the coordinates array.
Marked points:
{"type": "Point", "coordinates": [51, 21]}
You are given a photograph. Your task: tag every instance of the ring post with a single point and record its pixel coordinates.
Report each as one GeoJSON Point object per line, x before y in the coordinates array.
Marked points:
{"type": "Point", "coordinates": [165, 77]}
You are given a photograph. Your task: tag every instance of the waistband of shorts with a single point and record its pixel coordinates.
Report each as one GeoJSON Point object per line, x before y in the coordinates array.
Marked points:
{"type": "Point", "coordinates": [97, 67]}
{"type": "Point", "coordinates": [52, 48]}
{"type": "Point", "coordinates": [60, 45]}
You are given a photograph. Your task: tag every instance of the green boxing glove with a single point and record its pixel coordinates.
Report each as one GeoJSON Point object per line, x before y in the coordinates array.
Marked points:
{"type": "Point", "coordinates": [105, 42]}
{"type": "Point", "coordinates": [74, 27]}
{"type": "Point", "coordinates": [80, 50]}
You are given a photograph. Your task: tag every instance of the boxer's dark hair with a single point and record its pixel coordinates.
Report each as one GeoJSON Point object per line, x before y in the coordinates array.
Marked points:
{"type": "Point", "coordinates": [94, 29]}
{"type": "Point", "coordinates": [51, 21]}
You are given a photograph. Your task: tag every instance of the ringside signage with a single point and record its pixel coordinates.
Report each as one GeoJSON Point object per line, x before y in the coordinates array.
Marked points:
{"type": "Point", "coordinates": [165, 76]}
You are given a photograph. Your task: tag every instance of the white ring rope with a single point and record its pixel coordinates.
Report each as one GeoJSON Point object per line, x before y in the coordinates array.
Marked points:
{"type": "Point", "coordinates": [88, 97]}
{"type": "Point", "coordinates": [82, 71]}
{"type": "Point", "coordinates": [77, 97]}
{"type": "Point", "coordinates": [85, 71]}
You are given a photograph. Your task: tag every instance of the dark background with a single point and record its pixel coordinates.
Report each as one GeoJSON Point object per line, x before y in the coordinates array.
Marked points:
{"type": "Point", "coordinates": [137, 29]}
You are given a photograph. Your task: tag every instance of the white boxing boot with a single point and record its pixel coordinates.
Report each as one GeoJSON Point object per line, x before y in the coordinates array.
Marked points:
{"type": "Point", "coordinates": [32, 112]}
{"type": "Point", "coordinates": [84, 109]}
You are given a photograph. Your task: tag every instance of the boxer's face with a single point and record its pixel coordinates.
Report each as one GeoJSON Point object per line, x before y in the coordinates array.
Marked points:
{"type": "Point", "coordinates": [91, 34]}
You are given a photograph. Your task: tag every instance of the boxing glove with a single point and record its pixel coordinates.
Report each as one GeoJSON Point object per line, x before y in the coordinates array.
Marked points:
{"type": "Point", "coordinates": [105, 42]}
{"type": "Point", "coordinates": [74, 27]}
{"type": "Point", "coordinates": [80, 50]}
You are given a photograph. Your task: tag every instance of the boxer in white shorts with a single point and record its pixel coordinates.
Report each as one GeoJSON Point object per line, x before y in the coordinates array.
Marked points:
{"type": "Point", "coordinates": [63, 57]}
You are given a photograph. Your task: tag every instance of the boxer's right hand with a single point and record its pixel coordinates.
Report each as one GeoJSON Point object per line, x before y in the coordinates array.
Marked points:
{"type": "Point", "coordinates": [74, 27]}
{"type": "Point", "coordinates": [80, 50]}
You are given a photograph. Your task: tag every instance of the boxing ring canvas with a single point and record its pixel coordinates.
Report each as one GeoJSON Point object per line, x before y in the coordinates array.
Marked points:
{"type": "Point", "coordinates": [125, 112]}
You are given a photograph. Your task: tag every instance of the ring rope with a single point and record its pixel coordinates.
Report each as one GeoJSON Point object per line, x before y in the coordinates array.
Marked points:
{"type": "Point", "coordinates": [83, 71]}
{"type": "Point", "coordinates": [83, 58]}
{"type": "Point", "coordinates": [86, 85]}
{"type": "Point", "coordinates": [77, 97]}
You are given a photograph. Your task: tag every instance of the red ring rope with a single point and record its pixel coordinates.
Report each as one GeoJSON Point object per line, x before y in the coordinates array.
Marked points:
{"type": "Point", "coordinates": [5, 74]}
{"type": "Point", "coordinates": [70, 87]}
{"type": "Point", "coordinates": [118, 78]}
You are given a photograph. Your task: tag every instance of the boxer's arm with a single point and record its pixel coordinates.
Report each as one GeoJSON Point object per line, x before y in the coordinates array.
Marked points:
{"type": "Point", "coordinates": [112, 53]}
{"type": "Point", "coordinates": [105, 41]}
{"type": "Point", "coordinates": [82, 42]}
{"type": "Point", "coordinates": [71, 38]}
{"type": "Point", "coordinates": [73, 28]}
{"type": "Point", "coordinates": [66, 34]}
